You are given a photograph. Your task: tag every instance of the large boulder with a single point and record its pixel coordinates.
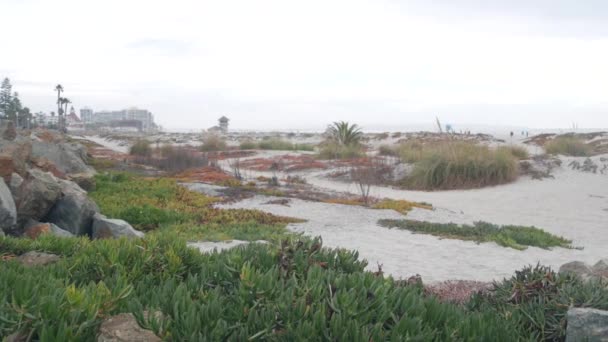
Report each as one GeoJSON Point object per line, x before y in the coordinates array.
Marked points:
{"type": "Point", "coordinates": [74, 210]}
{"type": "Point", "coordinates": [85, 180]}
{"type": "Point", "coordinates": [124, 328]}
{"type": "Point", "coordinates": [586, 324]}
{"type": "Point", "coordinates": [68, 158]}
{"type": "Point", "coordinates": [8, 210]}
{"type": "Point", "coordinates": [14, 183]}
{"type": "Point", "coordinates": [105, 228]}
{"type": "Point", "coordinates": [36, 196]}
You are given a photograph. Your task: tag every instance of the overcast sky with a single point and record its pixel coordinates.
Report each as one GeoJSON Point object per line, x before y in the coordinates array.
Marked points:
{"type": "Point", "coordinates": [302, 64]}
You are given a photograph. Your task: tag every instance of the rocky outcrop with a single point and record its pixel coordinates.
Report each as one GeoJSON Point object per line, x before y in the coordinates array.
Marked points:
{"type": "Point", "coordinates": [585, 324]}
{"type": "Point", "coordinates": [85, 180]}
{"type": "Point", "coordinates": [105, 228]}
{"type": "Point", "coordinates": [68, 158]}
{"type": "Point", "coordinates": [33, 258]}
{"type": "Point", "coordinates": [8, 211]}
{"type": "Point", "coordinates": [36, 196]}
{"type": "Point", "coordinates": [74, 210]}
{"type": "Point", "coordinates": [124, 328]}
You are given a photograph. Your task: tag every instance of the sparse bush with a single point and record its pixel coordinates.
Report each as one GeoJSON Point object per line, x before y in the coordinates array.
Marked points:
{"type": "Point", "coordinates": [516, 237]}
{"type": "Point", "coordinates": [175, 159]}
{"type": "Point", "coordinates": [213, 142]}
{"type": "Point", "coordinates": [401, 206]}
{"type": "Point", "coordinates": [386, 150]}
{"type": "Point", "coordinates": [141, 148]}
{"type": "Point", "coordinates": [458, 165]}
{"type": "Point", "coordinates": [568, 146]}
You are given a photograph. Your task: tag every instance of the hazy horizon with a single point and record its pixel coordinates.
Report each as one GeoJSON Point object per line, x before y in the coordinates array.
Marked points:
{"type": "Point", "coordinates": [271, 64]}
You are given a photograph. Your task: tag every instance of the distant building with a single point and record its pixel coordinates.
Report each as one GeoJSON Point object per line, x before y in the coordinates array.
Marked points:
{"type": "Point", "coordinates": [73, 121]}
{"type": "Point", "coordinates": [133, 117]}
{"type": "Point", "coordinates": [224, 124]}
{"type": "Point", "coordinates": [86, 114]}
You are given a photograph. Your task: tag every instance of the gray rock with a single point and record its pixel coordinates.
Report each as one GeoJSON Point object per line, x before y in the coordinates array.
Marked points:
{"type": "Point", "coordinates": [37, 258]}
{"type": "Point", "coordinates": [32, 226]}
{"type": "Point", "coordinates": [74, 211]}
{"type": "Point", "coordinates": [8, 211]}
{"type": "Point", "coordinates": [67, 157]}
{"type": "Point", "coordinates": [36, 196]}
{"type": "Point", "coordinates": [15, 183]}
{"type": "Point", "coordinates": [578, 268]}
{"type": "Point", "coordinates": [124, 328]}
{"type": "Point", "coordinates": [585, 324]}
{"type": "Point", "coordinates": [601, 266]}
{"type": "Point", "coordinates": [105, 228]}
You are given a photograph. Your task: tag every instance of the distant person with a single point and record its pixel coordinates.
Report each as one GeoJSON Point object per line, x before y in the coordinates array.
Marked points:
{"type": "Point", "coordinates": [511, 134]}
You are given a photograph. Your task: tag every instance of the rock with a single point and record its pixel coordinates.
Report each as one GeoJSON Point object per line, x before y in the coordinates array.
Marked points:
{"type": "Point", "coordinates": [68, 158]}
{"type": "Point", "coordinates": [585, 324]}
{"type": "Point", "coordinates": [74, 211]}
{"type": "Point", "coordinates": [14, 157]}
{"type": "Point", "coordinates": [124, 328]}
{"type": "Point", "coordinates": [601, 266]}
{"type": "Point", "coordinates": [34, 229]}
{"type": "Point", "coordinates": [14, 183]}
{"type": "Point", "coordinates": [85, 180]}
{"type": "Point", "coordinates": [578, 268]}
{"type": "Point", "coordinates": [8, 211]}
{"type": "Point", "coordinates": [48, 166]}
{"type": "Point", "coordinates": [36, 196]}
{"type": "Point", "coordinates": [37, 258]}
{"type": "Point", "coordinates": [105, 228]}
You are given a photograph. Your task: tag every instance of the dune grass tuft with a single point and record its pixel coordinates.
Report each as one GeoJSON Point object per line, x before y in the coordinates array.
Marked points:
{"type": "Point", "coordinates": [275, 144]}
{"type": "Point", "coordinates": [516, 237]}
{"type": "Point", "coordinates": [458, 165]}
{"type": "Point", "coordinates": [568, 146]}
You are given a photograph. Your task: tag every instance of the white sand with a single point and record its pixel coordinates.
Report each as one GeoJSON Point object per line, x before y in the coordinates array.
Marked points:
{"type": "Point", "coordinates": [109, 144]}
{"type": "Point", "coordinates": [573, 205]}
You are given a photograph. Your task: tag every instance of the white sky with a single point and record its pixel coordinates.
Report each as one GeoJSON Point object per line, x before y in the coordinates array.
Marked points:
{"type": "Point", "coordinates": [302, 64]}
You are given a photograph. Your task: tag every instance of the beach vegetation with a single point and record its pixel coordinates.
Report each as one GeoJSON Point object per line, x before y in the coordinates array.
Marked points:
{"type": "Point", "coordinates": [516, 237]}
{"type": "Point", "coordinates": [568, 146]}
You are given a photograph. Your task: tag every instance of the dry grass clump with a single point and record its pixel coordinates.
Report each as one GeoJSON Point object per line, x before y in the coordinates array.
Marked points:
{"type": "Point", "coordinates": [275, 144]}
{"type": "Point", "coordinates": [141, 148]}
{"type": "Point", "coordinates": [213, 142]}
{"type": "Point", "coordinates": [517, 151]}
{"type": "Point", "coordinates": [332, 150]}
{"type": "Point", "coordinates": [457, 165]}
{"type": "Point", "coordinates": [569, 146]}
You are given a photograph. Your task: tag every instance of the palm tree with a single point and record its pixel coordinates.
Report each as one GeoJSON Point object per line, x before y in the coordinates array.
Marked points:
{"type": "Point", "coordinates": [345, 134]}
{"type": "Point", "coordinates": [63, 101]}
{"type": "Point", "coordinates": [59, 89]}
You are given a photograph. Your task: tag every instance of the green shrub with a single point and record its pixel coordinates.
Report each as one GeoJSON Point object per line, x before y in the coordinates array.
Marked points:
{"type": "Point", "coordinates": [536, 300]}
{"type": "Point", "coordinates": [458, 165]}
{"type": "Point", "coordinates": [213, 142]}
{"type": "Point", "coordinates": [295, 291]}
{"type": "Point", "coordinates": [331, 150]}
{"type": "Point", "coordinates": [516, 237]}
{"type": "Point", "coordinates": [141, 148]}
{"type": "Point", "coordinates": [276, 144]}
{"type": "Point", "coordinates": [568, 146]}
{"type": "Point", "coordinates": [248, 145]}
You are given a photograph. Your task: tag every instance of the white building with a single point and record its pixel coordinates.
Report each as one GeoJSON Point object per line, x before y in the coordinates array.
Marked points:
{"type": "Point", "coordinates": [133, 116]}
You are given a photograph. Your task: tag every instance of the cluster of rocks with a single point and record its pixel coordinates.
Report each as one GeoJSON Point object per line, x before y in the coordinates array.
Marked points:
{"type": "Point", "coordinates": [599, 271]}
{"type": "Point", "coordinates": [43, 188]}
{"type": "Point", "coordinates": [587, 324]}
